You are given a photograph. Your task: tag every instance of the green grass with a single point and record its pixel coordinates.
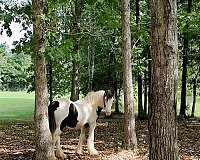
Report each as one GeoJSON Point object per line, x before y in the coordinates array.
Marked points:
{"type": "Point", "coordinates": [189, 104]}
{"type": "Point", "coordinates": [16, 106]}
{"type": "Point", "coordinates": [20, 106]}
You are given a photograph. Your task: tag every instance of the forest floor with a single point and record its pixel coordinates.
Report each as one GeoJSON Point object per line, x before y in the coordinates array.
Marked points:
{"type": "Point", "coordinates": [17, 141]}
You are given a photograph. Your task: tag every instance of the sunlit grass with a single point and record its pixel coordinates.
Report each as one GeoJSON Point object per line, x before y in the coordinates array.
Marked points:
{"type": "Point", "coordinates": [20, 106]}
{"type": "Point", "coordinates": [16, 106]}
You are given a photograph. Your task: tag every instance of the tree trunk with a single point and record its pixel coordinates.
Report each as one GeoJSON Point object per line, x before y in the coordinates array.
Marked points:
{"type": "Point", "coordinates": [194, 96]}
{"type": "Point", "coordinates": [76, 63]}
{"type": "Point", "coordinates": [116, 97]}
{"type": "Point", "coordinates": [91, 66]}
{"type": "Point", "coordinates": [183, 106]}
{"type": "Point", "coordinates": [149, 83]}
{"type": "Point", "coordinates": [117, 87]}
{"type": "Point", "coordinates": [145, 93]}
{"type": "Point", "coordinates": [43, 139]}
{"type": "Point", "coordinates": [184, 80]}
{"type": "Point", "coordinates": [50, 81]}
{"type": "Point", "coordinates": [164, 75]}
{"type": "Point", "coordinates": [140, 107]}
{"type": "Point", "coordinates": [130, 139]}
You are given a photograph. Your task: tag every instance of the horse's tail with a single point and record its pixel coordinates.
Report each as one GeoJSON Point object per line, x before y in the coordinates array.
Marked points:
{"type": "Point", "coordinates": [51, 108]}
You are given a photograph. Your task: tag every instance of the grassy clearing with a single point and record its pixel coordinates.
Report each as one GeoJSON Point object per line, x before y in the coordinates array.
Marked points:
{"type": "Point", "coordinates": [189, 104]}
{"type": "Point", "coordinates": [16, 106]}
{"type": "Point", "coordinates": [20, 106]}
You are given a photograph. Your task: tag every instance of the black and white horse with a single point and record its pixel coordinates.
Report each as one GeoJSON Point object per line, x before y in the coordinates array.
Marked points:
{"type": "Point", "coordinates": [81, 115]}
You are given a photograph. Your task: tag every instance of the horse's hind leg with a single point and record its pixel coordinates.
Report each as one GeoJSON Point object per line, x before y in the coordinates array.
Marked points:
{"type": "Point", "coordinates": [59, 152]}
{"type": "Point", "coordinates": [81, 140]}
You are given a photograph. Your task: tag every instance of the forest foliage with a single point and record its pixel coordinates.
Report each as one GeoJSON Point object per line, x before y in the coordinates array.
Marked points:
{"type": "Point", "coordinates": [100, 45]}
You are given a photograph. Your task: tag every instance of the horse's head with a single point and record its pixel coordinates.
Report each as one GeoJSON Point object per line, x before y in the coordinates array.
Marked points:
{"type": "Point", "coordinates": [108, 101]}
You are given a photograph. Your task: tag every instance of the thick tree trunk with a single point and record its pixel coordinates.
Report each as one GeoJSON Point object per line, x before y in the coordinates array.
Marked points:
{"type": "Point", "coordinates": [140, 107]}
{"type": "Point", "coordinates": [43, 139]}
{"type": "Point", "coordinates": [76, 64]}
{"type": "Point", "coordinates": [183, 106]}
{"type": "Point", "coordinates": [194, 96]}
{"type": "Point", "coordinates": [130, 139]}
{"type": "Point", "coordinates": [164, 75]}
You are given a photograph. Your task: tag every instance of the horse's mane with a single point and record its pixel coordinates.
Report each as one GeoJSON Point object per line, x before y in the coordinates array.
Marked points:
{"type": "Point", "coordinates": [94, 97]}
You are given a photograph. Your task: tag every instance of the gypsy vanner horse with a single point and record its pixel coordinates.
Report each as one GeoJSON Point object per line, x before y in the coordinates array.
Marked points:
{"type": "Point", "coordinates": [80, 114]}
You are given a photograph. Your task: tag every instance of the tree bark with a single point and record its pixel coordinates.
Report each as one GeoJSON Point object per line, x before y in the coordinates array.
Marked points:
{"type": "Point", "coordinates": [116, 96]}
{"type": "Point", "coordinates": [164, 75]}
{"type": "Point", "coordinates": [91, 66]}
{"type": "Point", "coordinates": [130, 139]}
{"type": "Point", "coordinates": [76, 63]}
{"type": "Point", "coordinates": [149, 83]}
{"type": "Point", "coordinates": [50, 81]}
{"type": "Point", "coordinates": [194, 96]}
{"type": "Point", "coordinates": [145, 93]}
{"type": "Point", "coordinates": [183, 106]}
{"type": "Point", "coordinates": [43, 139]}
{"type": "Point", "coordinates": [140, 107]}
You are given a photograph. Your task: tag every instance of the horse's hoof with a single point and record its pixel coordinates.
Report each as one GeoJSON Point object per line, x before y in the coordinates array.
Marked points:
{"type": "Point", "coordinates": [60, 155]}
{"type": "Point", "coordinates": [94, 152]}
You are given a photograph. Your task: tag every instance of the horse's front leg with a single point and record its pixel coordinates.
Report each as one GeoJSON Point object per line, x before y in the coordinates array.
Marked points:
{"type": "Point", "coordinates": [59, 151]}
{"type": "Point", "coordinates": [81, 140]}
{"type": "Point", "coordinates": [90, 140]}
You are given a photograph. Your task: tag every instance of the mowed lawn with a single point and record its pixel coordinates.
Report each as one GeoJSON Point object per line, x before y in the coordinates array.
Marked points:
{"type": "Point", "coordinates": [189, 103]}
{"type": "Point", "coordinates": [20, 105]}
{"type": "Point", "coordinates": [16, 105]}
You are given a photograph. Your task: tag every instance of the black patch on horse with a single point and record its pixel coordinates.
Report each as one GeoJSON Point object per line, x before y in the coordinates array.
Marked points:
{"type": "Point", "coordinates": [71, 119]}
{"type": "Point", "coordinates": [86, 125]}
{"type": "Point", "coordinates": [51, 108]}
{"type": "Point", "coordinates": [98, 112]}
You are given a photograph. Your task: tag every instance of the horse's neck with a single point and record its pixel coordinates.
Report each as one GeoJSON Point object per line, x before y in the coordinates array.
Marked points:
{"type": "Point", "coordinates": [95, 100]}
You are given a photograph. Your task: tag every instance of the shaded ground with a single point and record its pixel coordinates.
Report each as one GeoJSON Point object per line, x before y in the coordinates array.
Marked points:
{"type": "Point", "coordinates": [16, 141]}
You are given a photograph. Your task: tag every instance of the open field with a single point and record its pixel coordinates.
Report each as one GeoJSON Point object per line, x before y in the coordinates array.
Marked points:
{"type": "Point", "coordinates": [20, 105]}
{"type": "Point", "coordinates": [16, 106]}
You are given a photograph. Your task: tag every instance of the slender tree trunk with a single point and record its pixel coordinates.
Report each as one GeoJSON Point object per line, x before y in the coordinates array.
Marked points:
{"type": "Point", "coordinates": [140, 107]}
{"type": "Point", "coordinates": [145, 93]}
{"type": "Point", "coordinates": [130, 139]}
{"type": "Point", "coordinates": [194, 96]}
{"type": "Point", "coordinates": [116, 97]}
{"type": "Point", "coordinates": [184, 80]}
{"type": "Point", "coordinates": [43, 139]}
{"type": "Point", "coordinates": [76, 63]}
{"type": "Point", "coordinates": [184, 66]}
{"type": "Point", "coordinates": [164, 75]}
{"type": "Point", "coordinates": [149, 83]}
{"type": "Point", "coordinates": [50, 81]}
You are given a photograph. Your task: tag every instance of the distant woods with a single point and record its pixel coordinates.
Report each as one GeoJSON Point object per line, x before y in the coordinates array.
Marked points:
{"type": "Point", "coordinates": [83, 49]}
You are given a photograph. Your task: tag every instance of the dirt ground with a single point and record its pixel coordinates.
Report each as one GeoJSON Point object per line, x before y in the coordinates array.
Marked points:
{"type": "Point", "coordinates": [17, 141]}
